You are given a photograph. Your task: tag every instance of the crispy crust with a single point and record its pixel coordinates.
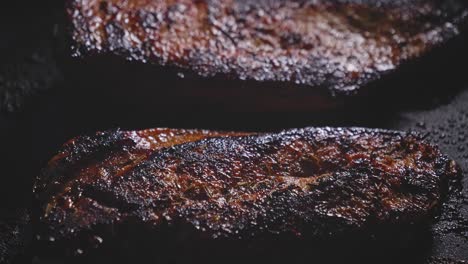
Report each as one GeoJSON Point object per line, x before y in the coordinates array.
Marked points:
{"type": "Point", "coordinates": [335, 47]}
{"type": "Point", "coordinates": [300, 183]}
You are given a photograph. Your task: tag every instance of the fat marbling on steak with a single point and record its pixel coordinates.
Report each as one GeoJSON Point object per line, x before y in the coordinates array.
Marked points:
{"type": "Point", "coordinates": [336, 46]}
{"type": "Point", "coordinates": [211, 186]}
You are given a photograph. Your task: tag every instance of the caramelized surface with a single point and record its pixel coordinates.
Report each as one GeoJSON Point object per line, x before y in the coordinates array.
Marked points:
{"type": "Point", "coordinates": [337, 45]}
{"type": "Point", "coordinates": [312, 182]}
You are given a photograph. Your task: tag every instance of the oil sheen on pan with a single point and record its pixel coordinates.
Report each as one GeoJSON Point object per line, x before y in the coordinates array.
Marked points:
{"type": "Point", "coordinates": [335, 46]}
{"type": "Point", "coordinates": [216, 186]}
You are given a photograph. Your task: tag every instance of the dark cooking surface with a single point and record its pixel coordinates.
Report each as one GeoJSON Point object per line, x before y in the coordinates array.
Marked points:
{"type": "Point", "coordinates": [32, 133]}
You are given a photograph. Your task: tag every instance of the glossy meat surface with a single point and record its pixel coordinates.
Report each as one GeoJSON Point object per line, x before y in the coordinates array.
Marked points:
{"type": "Point", "coordinates": [336, 46]}
{"type": "Point", "coordinates": [299, 183]}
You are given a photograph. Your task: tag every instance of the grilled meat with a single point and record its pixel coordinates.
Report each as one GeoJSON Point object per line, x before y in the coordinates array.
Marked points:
{"type": "Point", "coordinates": [268, 48]}
{"type": "Point", "coordinates": [298, 184]}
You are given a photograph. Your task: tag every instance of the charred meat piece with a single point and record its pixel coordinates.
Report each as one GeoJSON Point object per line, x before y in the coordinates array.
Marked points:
{"type": "Point", "coordinates": [298, 184]}
{"type": "Point", "coordinates": [324, 47]}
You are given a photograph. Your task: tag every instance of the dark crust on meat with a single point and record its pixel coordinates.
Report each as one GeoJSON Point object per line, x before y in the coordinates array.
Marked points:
{"type": "Point", "coordinates": [83, 151]}
{"type": "Point", "coordinates": [338, 46]}
{"type": "Point", "coordinates": [300, 183]}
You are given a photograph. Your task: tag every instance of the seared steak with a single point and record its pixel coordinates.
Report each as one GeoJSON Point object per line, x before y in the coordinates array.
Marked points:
{"type": "Point", "coordinates": [268, 47]}
{"type": "Point", "coordinates": [309, 183]}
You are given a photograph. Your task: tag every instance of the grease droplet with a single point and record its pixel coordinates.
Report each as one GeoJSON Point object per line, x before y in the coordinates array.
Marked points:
{"type": "Point", "coordinates": [421, 124]}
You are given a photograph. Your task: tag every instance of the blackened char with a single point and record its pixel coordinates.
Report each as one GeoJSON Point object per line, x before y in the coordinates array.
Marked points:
{"type": "Point", "coordinates": [324, 47]}
{"type": "Point", "coordinates": [309, 183]}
